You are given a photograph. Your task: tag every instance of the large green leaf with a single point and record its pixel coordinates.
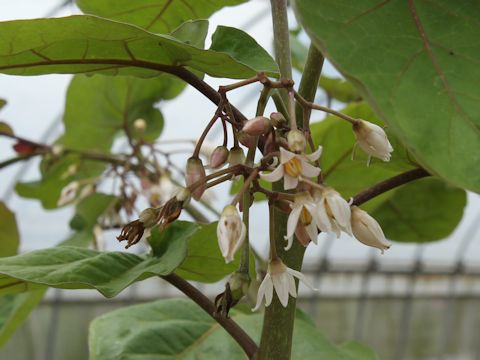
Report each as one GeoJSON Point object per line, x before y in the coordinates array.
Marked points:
{"type": "Point", "coordinates": [417, 65]}
{"type": "Point", "coordinates": [9, 237]}
{"type": "Point", "coordinates": [87, 44]}
{"type": "Point", "coordinates": [68, 267]}
{"type": "Point", "coordinates": [422, 211]}
{"type": "Point", "coordinates": [179, 329]}
{"type": "Point", "coordinates": [158, 16]}
{"type": "Point", "coordinates": [352, 176]}
{"type": "Point", "coordinates": [14, 309]}
{"type": "Point", "coordinates": [203, 261]}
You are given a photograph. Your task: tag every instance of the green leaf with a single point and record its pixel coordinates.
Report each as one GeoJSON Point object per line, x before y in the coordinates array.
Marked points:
{"type": "Point", "coordinates": [4, 127]}
{"type": "Point", "coordinates": [87, 44]}
{"type": "Point", "coordinates": [14, 309]}
{"type": "Point", "coordinates": [352, 176]}
{"type": "Point", "coordinates": [179, 329]}
{"type": "Point", "coordinates": [89, 209]}
{"type": "Point", "coordinates": [9, 237]}
{"type": "Point", "coordinates": [68, 267]}
{"type": "Point", "coordinates": [358, 351]}
{"type": "Point", "coordinates": [417, 65]}
{"type": "Point", "coordinates": [203, 261]}
{"type": "Point", "coordinates": [243, 48]}
{"type": "Point", "coordinates": [2, 103]}
{"type": "Point", "coordinates": [422, 211]}
{"type": "Point", "coordinates": [158, 16]}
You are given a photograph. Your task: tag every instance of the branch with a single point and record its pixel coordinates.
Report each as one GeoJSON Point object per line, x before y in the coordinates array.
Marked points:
{"type": "Point", "coordinates": [389, 184]}
{"type": "Point", "coordinates": [240, 336]}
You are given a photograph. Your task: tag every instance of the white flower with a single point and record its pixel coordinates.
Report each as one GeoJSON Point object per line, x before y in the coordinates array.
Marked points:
{"type": "Point", "coordinates": [231, 232]}
{"type": "Point", "coordinates": [373, 140]}
{"type": "Point", "coordinates": [68, 193]}
{"type": "Point", "coordinates": [367, 230]}
{"type": "Point", "coordinates": [292, 166]}
{"type": "Point", "coordinates": [303, 213]}
{"type": "Point", "coordinates": [330, 203]}
{"type": "Point", "coordinates": [280, 278]}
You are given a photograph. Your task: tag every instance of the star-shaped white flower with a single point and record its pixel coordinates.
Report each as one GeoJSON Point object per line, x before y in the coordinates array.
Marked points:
{"type": "Point", "coordinates": [282, 279]}
{"type": "Point", "coordinates": [292, 166]}
{"type": "Point", "coordinates": [303, 214]}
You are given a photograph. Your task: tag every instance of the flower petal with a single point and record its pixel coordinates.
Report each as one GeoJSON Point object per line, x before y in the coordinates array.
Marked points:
{"type": "Point", "coordinates": [268, 290]}
{"type": "Point", "coordinates": [261, 292]}
{"type": "Point", "coordinates": [292, 287]}
{"type": "Point", "coordinates": [300, 277]}
{"type": "Point", "coordinates": [275, 175]}
{"type": "Point", "coordinates": [293, 219]}
{"type": "Point", "coordinates": [309, 170]}
{"type": "Point", "coordinates": [315, 155]}
{"type": "Point", "coordinates": [286, 155]}
{"type": "Point", "coordinates": [312, 231]}
{"type": "Point", "coordinates": [289, 182]}
{"type": "Point", "coordinates": [280, 283]}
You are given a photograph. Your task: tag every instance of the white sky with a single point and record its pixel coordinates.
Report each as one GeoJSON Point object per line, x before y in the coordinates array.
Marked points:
{"type": "Point", "coordinates": [35, 102]}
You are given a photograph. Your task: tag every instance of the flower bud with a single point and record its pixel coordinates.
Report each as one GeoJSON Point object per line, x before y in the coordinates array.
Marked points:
{"type": "Point", "coordinates": [278, 120]}
{"type": "Point", "coordinates": [57, 149]}
{"type": "Point", "coordinates": [140, 125]}
{"type": "Point", "coordinates": [245, 139]}
{"type": "Point", "coordinates": [231, 232]}
{"type": "Point", "coordinates": [296, 141]}
{"type": "Point", "coordinates": [149, 217]}
{"type": "Point", "coordinates": [236, 156]}
{"type": "Point", "coordinates": [367, 230]}
{"type": "Point", "coordinates": [239, 284]}
{"type": "Point", "coordinates": [257, 126]}
{"type": "Point", "coordinates": [372, 139]}
{"type": "Point", "coordinates": [219, 157]}
{"type": "Point", "coordinates": [195, 173]}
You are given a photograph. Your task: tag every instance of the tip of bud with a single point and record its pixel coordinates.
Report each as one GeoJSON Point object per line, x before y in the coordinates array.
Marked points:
{"type": "Point", "coordinates": [219, 157]}
{"type": "Point", "coordinates": [257, 126]}
{"type": "Point", "coordinates": [278, 120]}
{"type": "Point", "coordinates": [149, 217]}
{"type": "Point", "coordinates": [236, 156]}
{"type": "Point", "coordinates": [183, 195]}
{"type": "Point", "coordinates": [245, 139]}
{"type": "Point", "coordinates": [296, 141]}
{"type": "Point", "coordinates": [140, 125]}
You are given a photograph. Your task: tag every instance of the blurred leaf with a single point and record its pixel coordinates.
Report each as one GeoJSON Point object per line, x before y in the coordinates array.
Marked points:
{"type": "Point", "coordinates": [4, 127]}
{"type": "Point", "coordinates": [422, 211]}
{"type": "Point", "coordinates": [69, 267]}
{"type": "Point", "coordinates": [157, 16]}
{"type": "Point", "coordinates": [203, 261]}
{"type": "Point", "coordinates": [179, 329]}
{"type": "Point", "coordinates": [352, 176]}
{"type": "Point", "coordinates": [2, 103]}
{"type": "Point", "coordinates": [417, 65]}
{"type": "Point", "coordinates": [237, 185]}
{"type": "Point", "coordinates": [9, 237]}
{"type": "Point", "coordinates": [56, 176]}
{"type": "Point", "coordinates": [88, 44]}
{"type": "Point", "coordinates": [357, 351]}
{"type": "Point", "coordinates": [339, 89]}
{"type": "Point", "coordinates": [299, 52]}
{"type": "Point", "coordinates": [14, 309]}
{"type": "Point", "coordinates": [89, 209]}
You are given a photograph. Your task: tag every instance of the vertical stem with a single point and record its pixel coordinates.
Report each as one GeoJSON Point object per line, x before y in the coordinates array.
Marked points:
{"type": "Point", "coordinates": [310, 77]}
{"type": "Point", "coordinates": [276, 340]}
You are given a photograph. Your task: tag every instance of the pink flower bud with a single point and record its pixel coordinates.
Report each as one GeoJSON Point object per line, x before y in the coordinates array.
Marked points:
{"type": "Point", "coordinates": [257, 126]}
{"type": "Point", "coordinates": [278, 120]}
{"type": "Point", "coordinates": [245, 139]}
{"type": "Point", "coordinates": [195, 174]}
{"type": "Point", "coordinates": [219, 157]}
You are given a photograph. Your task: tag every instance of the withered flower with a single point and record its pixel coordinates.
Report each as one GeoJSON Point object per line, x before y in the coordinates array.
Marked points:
{"type": "Point", "coordinates": [132, 232]}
